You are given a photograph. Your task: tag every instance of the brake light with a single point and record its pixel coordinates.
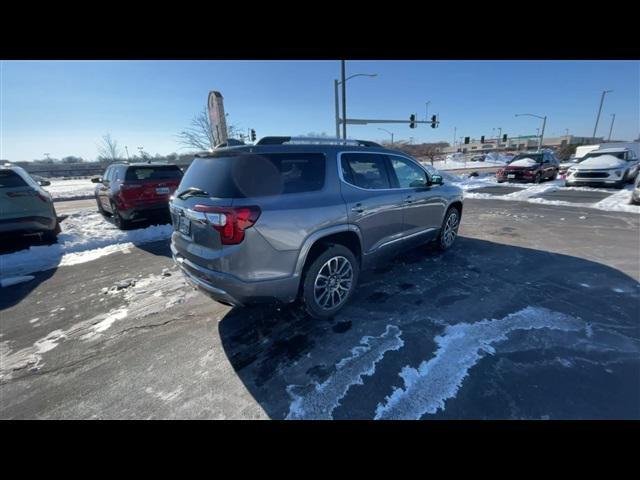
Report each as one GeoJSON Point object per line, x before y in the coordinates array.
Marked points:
{"type": "Point", "coordinates": [231, 222]}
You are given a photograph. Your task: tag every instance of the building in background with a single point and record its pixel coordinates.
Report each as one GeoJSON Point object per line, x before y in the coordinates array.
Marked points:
{"type": "Point", "coordinates": [524, 142]}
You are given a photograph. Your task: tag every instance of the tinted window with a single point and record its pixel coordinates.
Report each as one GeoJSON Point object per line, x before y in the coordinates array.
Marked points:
{"type": "Point", "coordinates": [408, 174]}
{"type": "Point", "coordinates": [366, 170]}
{"type": "Point", "coordinates": [153, 173]}
{"type": "Point", "coordinates": [249, 175]}
{"type": "Point", "coordinates": [10, 179]}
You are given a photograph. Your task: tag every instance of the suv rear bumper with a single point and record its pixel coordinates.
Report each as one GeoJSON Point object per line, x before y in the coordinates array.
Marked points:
{"type": "Point", "coordinates": [230, 290]}
{"type": "Point", "coordinates": [142, 210]}
{"type": "Point", "coordinates": [35, 224]}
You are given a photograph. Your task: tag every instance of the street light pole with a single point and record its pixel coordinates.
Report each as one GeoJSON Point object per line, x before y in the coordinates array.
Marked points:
{"type": "Point", "coordinates": [613, 119]}
{"type": "Point", "coordinates": [426, 118]}
{"type": "Point", "coordinates": [344, 101]}
{"type": "Point", "coordinates": [390, 133]}
{"type": "Point", "coordinates": [335, 93]}
{"type": "Point", "coordinates": [544, 122]}
{"type": "Point", "coordinates": [599, 110]}
{"type": "Point", "coordinates": [126, 150]}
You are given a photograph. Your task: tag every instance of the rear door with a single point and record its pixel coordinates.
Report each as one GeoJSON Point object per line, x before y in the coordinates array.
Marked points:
{"type": "Point", "coordinates": [423, 204]}
{"type": "Point", "coordinates": [372, 203]}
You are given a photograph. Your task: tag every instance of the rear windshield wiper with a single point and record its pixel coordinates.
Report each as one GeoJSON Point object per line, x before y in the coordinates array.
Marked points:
{"type": "Point", "coordinates": [192, 192]}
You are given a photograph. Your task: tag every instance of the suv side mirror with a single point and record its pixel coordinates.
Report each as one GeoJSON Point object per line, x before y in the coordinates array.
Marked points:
{"type": "Point", "coordinates": [96, 180]}
{"type": "Point", "coordinates": [436, 179]}
{"type": "Point", "coordinates": [44, 183]}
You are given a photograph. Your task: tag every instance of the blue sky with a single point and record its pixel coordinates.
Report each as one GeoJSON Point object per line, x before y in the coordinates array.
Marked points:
{"type": "Point", "coordinates": [64, 108]}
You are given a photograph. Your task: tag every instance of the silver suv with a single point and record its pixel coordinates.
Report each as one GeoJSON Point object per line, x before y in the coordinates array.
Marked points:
{"type": "Point", "coordinates": [298, 219]}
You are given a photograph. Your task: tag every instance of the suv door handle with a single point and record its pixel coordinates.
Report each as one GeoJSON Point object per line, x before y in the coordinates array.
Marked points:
{"type": "Point", "coordinates": [408, 199]}
{"type": "Point", "coordinates": [358, 208]}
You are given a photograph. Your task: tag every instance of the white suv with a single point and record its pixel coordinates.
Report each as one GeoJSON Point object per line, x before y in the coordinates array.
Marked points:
{"type": "Point", "coordinates": [604, 167]}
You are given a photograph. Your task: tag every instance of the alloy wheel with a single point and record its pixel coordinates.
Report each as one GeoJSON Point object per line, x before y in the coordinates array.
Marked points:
{"type": "Point", "coordinates": [333, 282]}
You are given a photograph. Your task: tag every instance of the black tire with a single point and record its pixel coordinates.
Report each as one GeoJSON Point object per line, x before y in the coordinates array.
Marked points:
{"type": "Point", "coordinates": [444, 241]}
{"type": "Point", "coordinates": [311, 302]}
{"type": "Point", "coordinates": [555, 175]}
{"type": "Point", "coordinates": [119, 222]}
{"type": "Point", "coordinates": [538, 178]}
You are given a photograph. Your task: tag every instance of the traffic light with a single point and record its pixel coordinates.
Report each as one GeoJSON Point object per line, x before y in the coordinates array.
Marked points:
{"type": "Point", "coordinates": [433, 121]}
{"type": "Point", "coordinates": [466, 140]}
{"type": "Point", "coordinates": [504, 138]}
{"type": "Point", "coordinates": [253, 135]}
{"type": "Point", "coordinates": [482, 139]}
{"type": "Point", "coordinates": [412, 119]}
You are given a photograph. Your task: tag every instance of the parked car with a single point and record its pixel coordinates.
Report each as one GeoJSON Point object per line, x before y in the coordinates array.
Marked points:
{"type": "Point", "coordinates": [478, 158]}
{"type": "Point", "coordinates": [25, 207]}
{"type": "Point", "coordinates": [530, 167]}
{"type": "Point", "coordinates": [605, 167]}
{"type": "Point", "coordinates": [635, 195]}
{"type": "Point", "coordinates": [289, 219]}
{"type": "Point", "coordinates": [566, 165]}
{"type": "Point", "coordinates": [131, 191]}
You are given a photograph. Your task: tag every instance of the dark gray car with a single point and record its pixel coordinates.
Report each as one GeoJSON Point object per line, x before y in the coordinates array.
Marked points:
{"type": "Point", "coordinates": [291, 219]}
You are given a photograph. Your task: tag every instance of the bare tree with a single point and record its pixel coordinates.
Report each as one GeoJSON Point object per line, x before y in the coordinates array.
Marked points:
{"type": "Point", "coordinates": [200, 134]}
{"type": "Point", "coordinates": [108, 149]}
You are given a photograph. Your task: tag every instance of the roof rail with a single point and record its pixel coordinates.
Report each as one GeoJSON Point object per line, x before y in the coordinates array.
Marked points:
{"type": "Point", "coordinates": [315, 140]}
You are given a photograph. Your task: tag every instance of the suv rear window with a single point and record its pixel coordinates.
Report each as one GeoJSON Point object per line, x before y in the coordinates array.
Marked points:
{"type": "Point", "coordinates": [252, 175]}
{"type": "Point", "coordinates": [10, 179]}
{"type": "Point", "coordinates": [153, 173]}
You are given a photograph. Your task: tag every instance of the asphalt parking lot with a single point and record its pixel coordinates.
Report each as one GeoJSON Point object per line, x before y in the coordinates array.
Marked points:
{"type": "Point", "coordinates": [533, 315]}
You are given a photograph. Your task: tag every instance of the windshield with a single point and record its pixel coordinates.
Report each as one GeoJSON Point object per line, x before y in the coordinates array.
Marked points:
{"type": "Point", "coordinates": [619, 155]}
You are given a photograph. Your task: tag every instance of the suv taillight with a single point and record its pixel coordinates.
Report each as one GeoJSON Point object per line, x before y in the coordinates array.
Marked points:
{"type": "Point", "coordinates": [231, 222]}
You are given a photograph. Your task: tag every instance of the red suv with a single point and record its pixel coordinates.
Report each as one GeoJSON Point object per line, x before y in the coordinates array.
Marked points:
{"type": "Point", "coordinates": [530, 167]}
{"type": "Point", "coordinates": [132, 191]}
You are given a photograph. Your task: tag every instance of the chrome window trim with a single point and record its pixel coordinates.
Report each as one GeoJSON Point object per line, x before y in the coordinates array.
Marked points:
{"type": "Point", "coordinates": [339, 165]}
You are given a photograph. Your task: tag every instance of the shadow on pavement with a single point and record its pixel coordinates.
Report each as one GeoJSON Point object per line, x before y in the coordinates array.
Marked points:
{"type": "Point", "coordinates": [282, 356]}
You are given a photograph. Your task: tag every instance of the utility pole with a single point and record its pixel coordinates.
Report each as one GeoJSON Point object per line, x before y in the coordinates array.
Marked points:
{"type": "Point", "coordinates": [335, 95]}
{"type": "Point", "coordinates": [454, 136]}
{"type": "Point", "coordinates": [344, 100]}
{"type": "Point", "coordinates": [599, 110]}
{"type": "Point", "coordinates": [427, 111]}
{"type": "Point", "coordinates": [126, 150]}
{"type": "Point", "coordinates": [613, 119]}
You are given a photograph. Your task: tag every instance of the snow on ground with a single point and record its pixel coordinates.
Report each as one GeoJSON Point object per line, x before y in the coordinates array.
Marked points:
{"type": "Point", "coordinates": [618, 201]}
{"type": "Point", "coordinates": [458, 163]}
{"type": "Point", "coordinates": [85, 236]}
{"type": "Point", "coordinates": [70, 189]}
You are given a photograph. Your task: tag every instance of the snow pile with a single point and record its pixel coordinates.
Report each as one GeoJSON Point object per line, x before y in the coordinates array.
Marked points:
{"type": "Point", "coordinates": [456, 163]}
{"type": "Point", "coordinates": [428, 387]}
{"type": "Point", "coordinates": [85, 236]}
{"type": "Point", "coordinates": [524, 162]}
{"type": "Point", "coordinates": [71, 189]}
{"type": "Point", "coordinates": [618, 201]}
